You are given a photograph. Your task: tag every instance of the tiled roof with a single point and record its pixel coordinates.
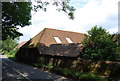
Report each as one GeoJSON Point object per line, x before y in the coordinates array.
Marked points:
{"type": "Point", "coordinates": [47, 37]}
{"type": "Point", "coordinates": [68, 50]}
{"type": "Point", "coordinates": [20, 45]}
{"type": "Point", "coordinates": [46, 43]}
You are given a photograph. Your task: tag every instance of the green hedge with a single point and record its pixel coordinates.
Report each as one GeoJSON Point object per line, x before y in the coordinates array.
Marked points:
{"type": "Point", "coordinates": [77, 75]}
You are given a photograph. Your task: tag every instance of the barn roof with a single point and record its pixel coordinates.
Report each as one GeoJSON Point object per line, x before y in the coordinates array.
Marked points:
{"type": "Point", "coordinates": [50, 36]}
{"type": "Point", "coordinates": [67, 50]}
{"type": "Point", "coordinates": [57, 43]}
{"type": "Point", "coordinates": [20, 45]}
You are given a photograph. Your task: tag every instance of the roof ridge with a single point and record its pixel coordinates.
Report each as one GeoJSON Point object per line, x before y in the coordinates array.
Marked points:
{"type": "Point", "coordinates": [64, 30]}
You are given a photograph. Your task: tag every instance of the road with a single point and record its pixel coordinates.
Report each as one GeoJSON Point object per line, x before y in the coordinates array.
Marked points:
{"type": "Point", "coordinates": [13, 71]}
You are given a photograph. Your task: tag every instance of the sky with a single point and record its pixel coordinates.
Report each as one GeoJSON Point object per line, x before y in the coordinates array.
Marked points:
{"type": "Point", "coordinates": [88, 13]}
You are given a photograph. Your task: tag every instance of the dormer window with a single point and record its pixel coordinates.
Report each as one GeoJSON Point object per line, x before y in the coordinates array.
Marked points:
{"type": "Point", "coordinates": [69, 40]}
{"type": "Point", "coordinates": [57, 39]}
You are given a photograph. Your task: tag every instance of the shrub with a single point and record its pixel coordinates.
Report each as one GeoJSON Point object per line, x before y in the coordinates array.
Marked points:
{"type": "Point", "coordinates": [99, 45]}
{"type": "Point", "coordinates": [11, 54]}
{"type": "Point", "coordinates": [91, 77]}
{"type": "Point", "coordinates": [43, 66]}
{"type": "Point", "coordinates": [77, 75]}
{"type": "Point", "coordinates": [9, 44]}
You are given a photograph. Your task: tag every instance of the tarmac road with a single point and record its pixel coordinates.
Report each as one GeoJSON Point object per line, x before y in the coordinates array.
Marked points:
{"type": "Point", "coordinates": [13, 71]}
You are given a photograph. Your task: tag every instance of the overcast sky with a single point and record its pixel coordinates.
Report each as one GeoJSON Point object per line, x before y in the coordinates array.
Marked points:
{"type": "Point", "coordinates": [88, 14]}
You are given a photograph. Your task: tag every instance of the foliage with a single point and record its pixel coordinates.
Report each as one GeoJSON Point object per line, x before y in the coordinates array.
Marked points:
{"type": "Point", "coordinates": [14, 15]}
{"type": "Point", "coordinates": [9, 44]}
{"type": "Point", "coordinates": [118, 53]}
{"type": "Point", "coordinates": [18, 14]}
{"type": "Point", "coordinates": [99, 45]}
{"type": "Point", "coordinates": [3, 52]}
{"type": "Point", "coordinates": [37, 65]}
{"type": "Point", "coordinates": [49, 66]}
{"type": "Point", "coordinates": [61, 5]}
{"type": "Point", "coordinates": [11, 54]}
{"type": "Point", "coordinates": [116, 38]}
{"type": "Point", "coordinates": [43, 66]}
{"type": "Point", "coordinates": [77, 75]}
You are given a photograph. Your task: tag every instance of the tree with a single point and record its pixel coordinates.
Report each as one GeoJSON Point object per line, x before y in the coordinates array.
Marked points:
{"type": "Point", "coordinates": [13, 15]}
{"type": "Point", "coordinates": [9, 44]}
{"type": "Point", "coordinates": [62, 5]}
{"type": "Point", "coordinates": [99, 45]}
{"type": "Point", "coordinates": [18, 14]}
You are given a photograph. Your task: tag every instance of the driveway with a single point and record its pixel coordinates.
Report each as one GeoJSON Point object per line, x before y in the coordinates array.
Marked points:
{"type": "Point", "coordinates": [13, 71]}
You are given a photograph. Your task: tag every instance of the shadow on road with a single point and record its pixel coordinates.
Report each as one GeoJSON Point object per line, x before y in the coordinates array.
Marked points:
{"type": "Point", "coordinates": [13, 71]}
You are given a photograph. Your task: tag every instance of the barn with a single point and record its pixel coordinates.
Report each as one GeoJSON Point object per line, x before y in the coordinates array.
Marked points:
{"type": "Point", "coordinates": [51, 43]}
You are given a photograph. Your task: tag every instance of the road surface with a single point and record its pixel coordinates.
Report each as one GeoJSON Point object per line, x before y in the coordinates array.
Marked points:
{"type": "Point", "coordinates": [13, 71]}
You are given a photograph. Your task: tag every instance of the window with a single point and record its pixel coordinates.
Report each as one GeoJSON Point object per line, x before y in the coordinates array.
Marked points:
{"type": "Point", "coordinates": [68, 39]}
{"type": "Point", "coordinates": [57, 40]}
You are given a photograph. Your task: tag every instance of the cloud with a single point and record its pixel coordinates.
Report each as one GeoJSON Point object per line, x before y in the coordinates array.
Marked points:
{"type": "Point", "coordinates": [93, 12]}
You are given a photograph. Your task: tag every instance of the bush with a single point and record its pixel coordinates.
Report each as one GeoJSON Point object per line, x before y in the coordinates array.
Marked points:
{"type": "Point", "coordinates": [11, 54]}
{"type": "Point", "coordinates": [99, 45]}
{"type": "Point", "coordinates": [43, 66]}
{"type": "Point", "coordinates": [7, 47]}
{"type": "Point", "coordinates": [77, 75]}
{"type": "Point", "coordinates": [91, 77]}
{"type": "Point", "coordinates": [9, 44]}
